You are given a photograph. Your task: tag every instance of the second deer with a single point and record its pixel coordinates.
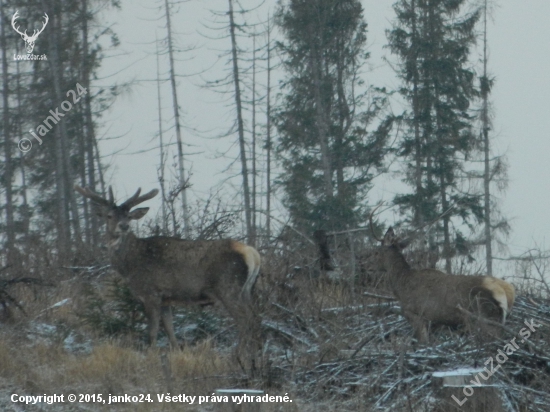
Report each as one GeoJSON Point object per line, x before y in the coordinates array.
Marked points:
{"type": "Point", "coordinates": [431, 297]}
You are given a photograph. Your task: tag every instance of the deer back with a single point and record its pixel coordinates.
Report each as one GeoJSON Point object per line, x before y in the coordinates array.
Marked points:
{"type": "Point", "coordinates": [180, 269]}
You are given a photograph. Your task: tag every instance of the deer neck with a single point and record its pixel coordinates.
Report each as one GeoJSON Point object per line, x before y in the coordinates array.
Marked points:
{"type": "Point", "coordinates": [120, 250]}
{"type": "Point", "coordinates": [399, 272]}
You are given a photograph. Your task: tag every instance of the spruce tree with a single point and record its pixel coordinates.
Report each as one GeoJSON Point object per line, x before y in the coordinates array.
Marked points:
{"type": "Point", "coordinates": [432, 40]}
{"type": "Point", "coordinates": [327, 152]}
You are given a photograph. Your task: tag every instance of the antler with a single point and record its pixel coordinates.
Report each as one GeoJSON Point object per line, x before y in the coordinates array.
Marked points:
{"type": "Point", "coordinates": [136, 199]}
{"type": "Point", "coordinates": [86, 192]}
{"type": "Point", "coordinates": [130, 202]}
{"type": "Point", "coordinates": [371, 225]}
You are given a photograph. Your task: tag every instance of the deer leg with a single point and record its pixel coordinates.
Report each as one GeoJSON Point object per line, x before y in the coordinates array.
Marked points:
{"type": "Point", "coordinates": [166, 315]}
{"type": "Point", "coordinates": [422, 333]}
{"type": "Point", "coordinates": [152, 311]}
{"type": "Point", "coordinates": [248, 325]}
{"type": "Point", "coordinates": [419, 326]}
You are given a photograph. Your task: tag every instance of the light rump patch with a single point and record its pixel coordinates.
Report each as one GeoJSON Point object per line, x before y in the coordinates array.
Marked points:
{"type": "Point", "coordinates": [253, 262]}
{"type": "Point", "coordinates": [503, 292]}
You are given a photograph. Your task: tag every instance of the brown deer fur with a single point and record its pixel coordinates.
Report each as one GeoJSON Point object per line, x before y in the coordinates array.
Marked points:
{"type": "Point", "coordinates": [162, 271]}
{"type": "Point", "coordinates": [430, 297]}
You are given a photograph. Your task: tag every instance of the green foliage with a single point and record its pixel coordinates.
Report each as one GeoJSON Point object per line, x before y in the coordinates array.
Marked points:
{"type": "Point", "coordinates": [116, 313]}
{"type": "Point", "coordinates": [327, 148]}
{"type": "Point", "coordinates": [432, 40]}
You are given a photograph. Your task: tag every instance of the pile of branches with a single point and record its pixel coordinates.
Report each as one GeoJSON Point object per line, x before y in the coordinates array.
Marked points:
{"type": "Point", "coordinates": [7, 300]}
{"type": "Point", "coordinates": [367, 351]}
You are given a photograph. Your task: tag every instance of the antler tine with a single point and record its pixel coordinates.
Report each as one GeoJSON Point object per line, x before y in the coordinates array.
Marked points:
{"type": "Point", "coordinates": [111, 196]}
{"type": "Point", "coordinates": [129, 202]}
{"type": "Point", "coordinates": [371, 225]}
{"type": "Point", "coordinates": [136, 199]}
{"type": "Point", "coordinates": [86, 192]}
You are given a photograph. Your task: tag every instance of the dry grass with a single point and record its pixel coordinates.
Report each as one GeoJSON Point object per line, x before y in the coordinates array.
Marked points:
{"type": "Point", "coordinates": [116, 370]}
{"type": "Point", "coordinates": [33, 361]}
{"type": "Point", "coordinates": [316, 328]}
{"type": "Point", "coordinates": [201, 360]}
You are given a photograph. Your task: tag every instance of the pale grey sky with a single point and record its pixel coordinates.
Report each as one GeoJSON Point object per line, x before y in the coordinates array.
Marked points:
{"type": "Point", "coordinates": [518, 39]}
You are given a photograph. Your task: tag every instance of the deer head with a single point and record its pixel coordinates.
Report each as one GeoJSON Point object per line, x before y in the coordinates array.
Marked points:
{"type": "Point", "coordinates": [29, 40]}
{"type": "Point", "coordinates": [118, 217]}
{"type": "Point", "coordinates": [391, 244]}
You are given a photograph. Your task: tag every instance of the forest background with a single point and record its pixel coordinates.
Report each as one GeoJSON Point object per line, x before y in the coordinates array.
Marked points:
{"type": "Point", "coordinates": [120, 53]}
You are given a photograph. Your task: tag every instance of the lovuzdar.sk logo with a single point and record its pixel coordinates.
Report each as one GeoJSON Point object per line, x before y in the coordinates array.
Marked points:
{"type": "Point", "coordinates": [29, 40]}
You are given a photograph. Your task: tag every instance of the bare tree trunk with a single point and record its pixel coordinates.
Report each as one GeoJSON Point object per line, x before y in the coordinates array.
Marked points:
{"type": "Point", "coordinates": [486, 152]}
{"type": "Point", "coordinates": [268, 137]}
{"type": "Point", "coordinates": [99, 169]}
{"type": "Point", "coordinates": [25, 209]}
{"type": "Point", "coordinates": [63, 229]}
{"type": "Point", "coordinates": [252, 240]}
{"type": "Point", "coordinates": [62, 223]}
{"type": "Point", "coordinates": [183, 183]}
{"type": "Point", "coordinates": [418, 216]}
{"type": "Point", "coordinates": [81, 137]}
{"type": "Point", "coordinates": [65, 193]}
{"type": "Point", "coordinates": [240, 124]}
{"type": "Point", "coordinates": [161, 147]}
{"type": "Point", "coordinates": [446, 230]}
{"type": "Point", "coordinates": [25, 212]}
{"type": "Point", "coordinates": [90, 131]}
{"type": "Point", "coordinates": [7, 177]}
{"type": "Point", "coordinates": [84, 130]}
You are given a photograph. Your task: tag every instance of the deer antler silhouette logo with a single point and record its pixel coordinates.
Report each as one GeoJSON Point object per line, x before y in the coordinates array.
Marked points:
{"type": "Point", "coordinates": [29, 40]}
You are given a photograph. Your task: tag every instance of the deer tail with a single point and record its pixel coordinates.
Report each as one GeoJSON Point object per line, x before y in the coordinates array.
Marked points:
{"type": "Point", "coordinates": [253, 262]}
{"type": "Point", "coordinates": [503, 292]}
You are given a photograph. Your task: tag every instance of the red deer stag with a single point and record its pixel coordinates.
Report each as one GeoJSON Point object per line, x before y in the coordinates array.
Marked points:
{"type": "Point", "coordinates": [163, 270]}
{"type": "Point", "coordinates": [431, 297]}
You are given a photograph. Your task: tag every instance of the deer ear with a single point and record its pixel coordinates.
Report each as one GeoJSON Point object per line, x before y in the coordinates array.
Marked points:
{"type": "Point", "coordinates": [138, 213]}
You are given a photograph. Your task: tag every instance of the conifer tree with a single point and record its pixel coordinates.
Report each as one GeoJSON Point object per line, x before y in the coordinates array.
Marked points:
{"type": "Point", "coordinates": [432, 40]}
{"type": "Point", "coordinates": [40, 180]}
{"type": "Point", "coordinates": [328, 154]}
